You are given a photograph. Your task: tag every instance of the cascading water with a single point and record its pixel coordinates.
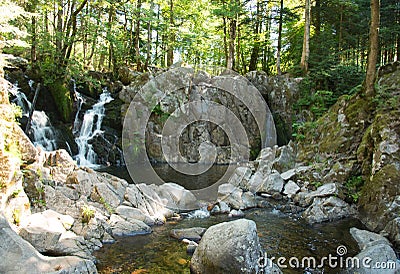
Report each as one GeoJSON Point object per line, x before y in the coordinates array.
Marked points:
{"type": "Point", "coordinates": [91, 126]}
{"type": "Point", "coordinates": [43, 134]}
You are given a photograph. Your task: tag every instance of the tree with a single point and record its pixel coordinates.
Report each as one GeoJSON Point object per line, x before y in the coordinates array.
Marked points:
{"type": "Point", "coordinates": [306, 40]}
{"type": "Point", "coordinates": [373, 48]}
{"type": "Point", "coordinates": [278, 52]}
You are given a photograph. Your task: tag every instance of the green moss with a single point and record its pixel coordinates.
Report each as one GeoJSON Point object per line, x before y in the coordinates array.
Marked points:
{"type": "Point", "coordinates": [62, 98]}
{"type": "Point", "coordinates": [378, 194]}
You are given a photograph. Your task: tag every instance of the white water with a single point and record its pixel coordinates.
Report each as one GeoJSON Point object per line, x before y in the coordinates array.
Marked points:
{"type": "Point", "coordinates": [43, 134]}
{"type": "Point", "coordinates": [80, 100]}
{"type": "Point", "coordinates": [91, 126]}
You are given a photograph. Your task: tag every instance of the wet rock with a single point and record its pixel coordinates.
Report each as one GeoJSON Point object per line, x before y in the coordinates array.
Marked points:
{"type": "Point", "coordinates": [327, 209]}
{"type": "Point", "coordinates": [190, 249]}
{"type": "Point", "coordinates": [236, 213]}
{"type": "Point", "coordinates": [121, 227]}
{"type": "Point", "coordinates": [215, 210]}
{"type": "Point", "coordinates": [191, 234]}
{"type": "Point", "coordinates": [16, 252]}
{"type": "Point", "coordinates": [224, 207]}
{"type": "Point", "coordinates": [280, 92]}
{"type": "Point", "coordinates": [229, 247]}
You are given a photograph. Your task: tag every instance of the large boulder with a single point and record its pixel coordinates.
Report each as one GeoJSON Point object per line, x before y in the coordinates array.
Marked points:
{"type": "Point", "coordinates": [18, 256]}
{"type": "Point", "coordinates": [376, 256]}
{"type": "Point", "coordinates": [327, 209]}
{"type": "Point", "coordinates": [192, 234]}
{"type": "Point", "coordinates": [177, 196]}
{"type": "Point", "coordinates": [235, 197]}
{"type": "Point", "coordinates": [122, 227]}
{"type": "Point", "coordinates": [229, 247]}
{"type": "Point", "coordinates": [273, 183]}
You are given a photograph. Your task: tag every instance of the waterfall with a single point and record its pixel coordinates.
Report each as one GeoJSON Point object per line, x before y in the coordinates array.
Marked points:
{"type": "Point", "coordinates": [42, 131]}
{"type": "Point", "coordinates": [79, 98]}
{"type": "Point", "coordinates": [91, 126]}
{"type": "Point", "coordinates": [43, 134]}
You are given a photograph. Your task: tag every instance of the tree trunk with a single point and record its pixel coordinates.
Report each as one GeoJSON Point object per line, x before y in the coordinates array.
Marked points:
{"type": "Point", "coordinates": [256, 49]}
{"type": "Point", "coordinates": [137, 36]}
{"type": "Point", "coordinates": [306, 40]}
{"type": "Point", "coordinates": [231, 46]}
{"type": "Point", "coordinates": [237, 63]}
{"type": "Point", "coordinates": [278, 52]}
{"type": "Point", "coordinates": [225, 41]}
{"type": "Point", "coordinates": [148, 54]}
{"type": "Point", "coordinates": [373, 48]}
{"type": "Point", "coordinates": [171, 35]}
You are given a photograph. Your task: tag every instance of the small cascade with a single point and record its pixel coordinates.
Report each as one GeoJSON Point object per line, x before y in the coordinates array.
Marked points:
{"type": "Point", "coordinates": [91, 126]}
{"type": "Point", "coordinates": [43, 134]}
{"type": "Point", "coordinates": [80, 100]}
{"type": "Point", "coordinates": [42, 131]}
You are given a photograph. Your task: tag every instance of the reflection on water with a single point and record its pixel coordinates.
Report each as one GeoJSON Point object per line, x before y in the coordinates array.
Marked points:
{"type": "Point", "coordinates": [168, 174]}
{"type": "Point", "coordinates": [279, 234]}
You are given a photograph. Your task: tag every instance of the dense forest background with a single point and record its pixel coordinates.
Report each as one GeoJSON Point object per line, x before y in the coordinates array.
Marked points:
{"type": "Point", "coordinates": [326, 40]}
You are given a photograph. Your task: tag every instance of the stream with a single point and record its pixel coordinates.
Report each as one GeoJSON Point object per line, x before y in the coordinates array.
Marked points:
{"type": "Point", "coordinates": [280, 235]}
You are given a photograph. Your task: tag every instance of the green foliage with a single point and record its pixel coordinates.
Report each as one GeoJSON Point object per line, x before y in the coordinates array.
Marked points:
{"type": "Point", "coordinates": [3, 184]}
{"type": "Point", "coordinates": [17, 111]}
{"type": "Point", "coordinates": [162, 116]}
{"type": "Point", "coordinates": [317, 184]}
{"type": "Point", "coordinates": [16, 216]}
{"type": "Point", "coordinates": [12, 32]}
{"type": "Point", "coordinates": [353, 187]}
{"type": "Point", "coordinates": [87, 213]}
{"type": "Point", "coordinates": [386, 98]}
{"type": "Point", "coordinates": [16, 193]}
{"type": "Point", "coordinates": [107, 206]}
{"type": "Point", "coordinates": [301, 129]}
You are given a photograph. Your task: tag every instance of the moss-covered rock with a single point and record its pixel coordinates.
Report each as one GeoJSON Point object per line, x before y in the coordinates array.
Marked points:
{"type": "Point", "coordinates": [380, 198]}
{"type": "Point", "coordinates": [62, 97]}
{"type": "Point", "coordinates": [362, 134]}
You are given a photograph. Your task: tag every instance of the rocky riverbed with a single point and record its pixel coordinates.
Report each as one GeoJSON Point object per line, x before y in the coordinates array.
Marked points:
{"type": "Point", "coordinates": [55, 214]}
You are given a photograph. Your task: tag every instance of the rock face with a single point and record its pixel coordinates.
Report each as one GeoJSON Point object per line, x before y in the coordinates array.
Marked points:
{"type": "Point", "coordinates": [204, 88]}
{"type": "Point", "coordinates": [361, 133]}
{"type": "Point", "coordinates": [280, 92]}
{"type": "Point", "coordinates": [231, 247]}
{"type": "Point", "coordinates": [18, 256]}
